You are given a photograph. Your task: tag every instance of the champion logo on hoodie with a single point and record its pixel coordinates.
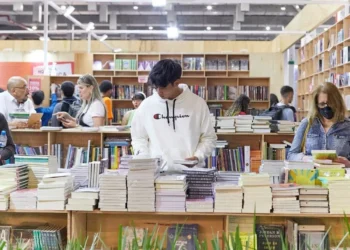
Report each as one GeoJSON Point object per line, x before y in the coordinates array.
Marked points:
{"type": "Point", "coordinates": [160, 116]}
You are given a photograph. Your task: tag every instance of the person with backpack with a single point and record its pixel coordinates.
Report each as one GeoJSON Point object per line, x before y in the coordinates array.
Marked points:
{"type": "Point", "coordinates": [69, 104]}
{"type": "Point", "coordinates": [38, 98]}
{"type": "Point", "coordinates": [325, 128]}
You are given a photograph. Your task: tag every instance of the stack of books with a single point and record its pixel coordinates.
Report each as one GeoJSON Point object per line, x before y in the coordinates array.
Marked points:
{"type": "Point", "coordinates": [225, 194]}
{"type": "Point", "coordinates": [285, 198]}
{"type": "Point", "coordinates": [261, 124]}
{"type": "Point", "coordinates": [200, 190]}
{"type": "Point", "coordinates": [257, 193]}
{"type": "Point", "coordinates": [227, 176]}
{"type": "Point", "coordinates": [24, 199]}
{"type": "Point", "coordinates": [94, 170]}
{"type": "Point", "coordinates": [5, 190]}
{"type": "Point", "coordinates": [54, 190]}
{"type": "Point", "coordinates": [282, 127]}
{"type": "Point", "coordinates": [80, 174]}
{"type": "Point", "coordinates": [275, 151]}
{"type": "Point", "coordinates": [141, 176]}
{"type": "Point", "coordinates": [171, 193]}
{"type": "Point", "coordinates": [225, 124]}
{"type": "Point", "coordinates": [83, 199]}
{"type": "Point", "coordinates": [274, 169]}
{"type": "Point", "coordinates": [113, 190]}
{"type": "Point", "coordinates": [15, 174]}
{"type": "Point", "coordinates": [313, 235]}
{"type": "Point", "coordinates": [339, 195]}
{"type": "Point", "coordinates": [244, 124]}
{"type": "Point", "coordinates": [314, 199]}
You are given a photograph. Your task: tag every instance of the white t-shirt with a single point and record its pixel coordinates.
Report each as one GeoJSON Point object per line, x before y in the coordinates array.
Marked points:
{"type": "Point", "coordinates": [96, 109]}
{"type": "Point", "coordinates": [8, 105]}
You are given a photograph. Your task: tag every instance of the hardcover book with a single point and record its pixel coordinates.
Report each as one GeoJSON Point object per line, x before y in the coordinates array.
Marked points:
{"type": "Point", "coordinates": [185, 240]}
{"type": "Point", "coordinates": [269, 236]}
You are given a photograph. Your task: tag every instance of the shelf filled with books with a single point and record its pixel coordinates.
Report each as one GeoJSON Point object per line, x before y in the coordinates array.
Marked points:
{"type": "Point", "coordinates": [325, 58]}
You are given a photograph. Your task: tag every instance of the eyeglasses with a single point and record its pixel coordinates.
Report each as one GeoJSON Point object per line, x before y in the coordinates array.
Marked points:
{"type": "Point", "coordinates": [322, 105]}
{"type": "Point", "coordinates": [23, 87]}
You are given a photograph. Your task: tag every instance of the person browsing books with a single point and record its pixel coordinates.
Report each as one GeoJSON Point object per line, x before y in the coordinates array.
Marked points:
{"type": "Point", "coordinates": [9, 150]}
{"type": "Point", "coordinates": [15, 100]}
{"type": "Point", "coordinates": [136, 102]}
{"type": "Point", "coordinates": [106, 89]}
{"type": "Point", "coordinates": [239, 107]}
{"type": "Point", "coordinates": [173, 123]}
{"type": "Point", "coordinates": [325, 128]}
{"type": "Point", "coordinates": [92, 112]}
{"type": "Point", "coordinates": [288, 111]}
{"type": "Point", "coordinates": [38, 98]}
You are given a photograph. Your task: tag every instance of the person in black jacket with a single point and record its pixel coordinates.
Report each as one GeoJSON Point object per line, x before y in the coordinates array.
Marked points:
{"type": "Point", "coordinates": [9, 150]}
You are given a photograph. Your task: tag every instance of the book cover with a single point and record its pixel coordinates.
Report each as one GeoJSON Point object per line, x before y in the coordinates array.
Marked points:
{"type": "Point", "coordinates": [313, 241]}
{"type": "Point", "coordinates": [269, 236]}
{"type": "Point", "coordinates": [186, 237]}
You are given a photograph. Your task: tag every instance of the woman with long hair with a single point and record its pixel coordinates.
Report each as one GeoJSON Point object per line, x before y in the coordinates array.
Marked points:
{"type": "Point", "coordinates": [325, 128]}
{"type": "Point", "coordinates": [239, 107]}
{"type": "Point", "coordinates": [92, 112]}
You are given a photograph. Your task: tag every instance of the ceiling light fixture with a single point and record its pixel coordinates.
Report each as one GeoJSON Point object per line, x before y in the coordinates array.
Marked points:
{"type": "Point", "coordinates": [43, 38]}
{"type": "Point", "coordinates": [63, 7]}
{"type": "Point", "coordinates": [268, 28]}
{"type": "Point", "coordinates": [29, 29]}
{"type": "Point", "coordinates": [325, 29]}
{"type": "Point", "coordinates": [90, 26]}
{"type": "Point", "coordinates": [69, 11]}
{"type": "Point", "coordinates": [209, 7]}
{"type": "Point", "coordinates": [208, 28]}
{"type": "Point", "coordinates": [34, 27]}
{"type": "Point", "coordinates": [104, 37]}
{"type": "Point", "coordinates": [173, 32]}
{"type": "Point", "coordinates": [283, 8]}
{"type": "Point", "coordinates": [158, 3]}
{"type": "Point", "coordinates": [117, 50]}
{"type": "Point", "coordinates": [150, 28]}
{"type": "Point", "coordinates": [297, 6]}
{"type": "Point", "coordinates": [136, 7]}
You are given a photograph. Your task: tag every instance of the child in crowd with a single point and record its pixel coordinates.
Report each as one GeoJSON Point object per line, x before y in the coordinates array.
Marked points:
{"type": "Point", "coordinates": [136, 102]}
{"type": "Point", "coordinates": [38, 98]}
{"type": "Point", "coordinates": [106, 89]}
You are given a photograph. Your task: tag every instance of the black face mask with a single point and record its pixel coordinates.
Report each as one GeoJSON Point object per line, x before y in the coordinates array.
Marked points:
{"type": "Point", "coordinates": [326, 112]}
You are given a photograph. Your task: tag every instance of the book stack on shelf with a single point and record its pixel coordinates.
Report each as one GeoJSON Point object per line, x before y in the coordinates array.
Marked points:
{"type": "Point", "coordinates": [239, 65]}
{"type": "Point", "coordinates": [125, 64]}
{"type": "Point", "coordinates": [244, 124]}
{"type": "Point", "coordinates": [113, 190]}
{"type": "Point", "coordinates": [146, 65]}
{"type": "Point", "coordinates": [114, 149]}
{"type": "Point", "coordinates": [126, 92]}
{"type": "Point", "coordinates": [225, 193]}
{"type": "Point", "coordinates": [261, 124]}
{"type": "Point", "coordinates": [227, 176]}
{"type": "Point", "coordinates": [198, 90]}
{"type": "Point", "coordinates": [24, 199]}
{"type": "Point", "coordinates": [15, 175]}
{"type": "Point", "coordinates": [273, 169]}
{"type": "Point", "coordinates": [54, 190]}
{"type": "Point", "coordinates": [141, 192]}
{"type": "Point", "coordinates": [5, 190]}
{"type": "Point", "coordinates": [225, 124]}
{"type": "Point", "coordinates": [282, 127]}
{"type": "Point", "coordinates": [221, 93]}
{"type": "Point", "coordinates": [81, 175]}
{"type": "Point", "coordinates": [200, 192]}
{"type": "Point", "coordinates": [254, 93]}
{"type": "Point", "coordinates": [339, 195]}
{"type": "Point", "coordinates": [285, 198]}
{"type": "Point", "coordinates": [118, 114]}
{"type": "Point", "coordinates": [274, 151]}
{"type": "Point", "coordinates": [83, 199]}
{"type": "Point", "coordinates": [314, 199]}
{"type": "Point", "coordinates": [193, 63]}
{"type": "Point", "coordinates": [257, 193]}
{"type": "Point", "coordinates": [95, 168]}
{"type": "Point", "coordinates": [215, 64]}
{"type": "Point", "coordinates": [171, 193]}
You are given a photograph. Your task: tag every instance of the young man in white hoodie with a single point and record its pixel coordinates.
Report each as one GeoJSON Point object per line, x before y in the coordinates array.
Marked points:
{"type": "Point", "coordinates": [173, 123]}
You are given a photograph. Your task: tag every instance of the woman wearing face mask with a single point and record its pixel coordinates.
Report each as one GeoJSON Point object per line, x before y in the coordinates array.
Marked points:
{"type": "Point", "coordinates": [92, 112]}
{"type": "Point", "coordinates": [325, 128]}
{"type": "Point", "coordinates": [136, 102]}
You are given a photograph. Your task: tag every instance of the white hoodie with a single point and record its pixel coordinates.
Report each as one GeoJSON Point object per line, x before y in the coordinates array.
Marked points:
{"type": "Point", "coordinates": [174, 129]}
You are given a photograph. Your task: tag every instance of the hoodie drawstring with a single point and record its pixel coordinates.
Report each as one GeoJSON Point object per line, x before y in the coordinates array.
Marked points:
{"type": "Point", "coordinates": [174, 114]}
{"type": "Point", "coordinates": [167, 113]}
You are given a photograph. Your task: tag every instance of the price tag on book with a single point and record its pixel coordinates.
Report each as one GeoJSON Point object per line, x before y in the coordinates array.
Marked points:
{"type": "Point", "coordinates": [143, 79]}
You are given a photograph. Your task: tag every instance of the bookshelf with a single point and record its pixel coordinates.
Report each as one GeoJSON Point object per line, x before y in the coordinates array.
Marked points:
{"type": "Point", "coordinates": [325, 58]}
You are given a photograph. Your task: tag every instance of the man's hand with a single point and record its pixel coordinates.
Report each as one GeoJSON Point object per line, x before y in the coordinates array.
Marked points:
{"type": "Point", "coordinates": [343, 160]}
{"type": "Point", "coordinates": [193, 158]}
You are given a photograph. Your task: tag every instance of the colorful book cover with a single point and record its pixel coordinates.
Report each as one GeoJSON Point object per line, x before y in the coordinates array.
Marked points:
{"type": "Point", "coordinates": [303, 176]}
{"type": "Point", "coordinates": [186, 239]}
{"type": "Point", "coordinates": [333, 172]}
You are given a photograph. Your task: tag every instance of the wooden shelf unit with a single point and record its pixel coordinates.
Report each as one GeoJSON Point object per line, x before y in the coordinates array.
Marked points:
{"type": "Point", "coordinates": [317, 66]}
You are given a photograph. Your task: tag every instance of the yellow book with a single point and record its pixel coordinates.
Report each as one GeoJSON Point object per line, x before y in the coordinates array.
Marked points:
{"type": "Point", "coordinates": [303, 176]}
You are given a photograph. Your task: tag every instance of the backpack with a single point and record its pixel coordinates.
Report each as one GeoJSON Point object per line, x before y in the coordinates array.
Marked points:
{"type": "Point", "coordinates": [73, 108]}
{"type": "Point", "coordinates": [276, 112]}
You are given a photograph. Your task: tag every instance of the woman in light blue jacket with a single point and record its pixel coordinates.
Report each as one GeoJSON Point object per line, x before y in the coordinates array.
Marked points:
{"type": "Point", "coordinates": [325, 128]}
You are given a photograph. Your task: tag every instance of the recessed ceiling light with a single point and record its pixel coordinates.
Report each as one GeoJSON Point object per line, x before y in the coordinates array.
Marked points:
{"type": "Point", "coordinates": [209, 7]}
{"type": "Point", "coordinates": [150, 28]}
{"type": "Point", "coordinates": [268, 28]}
{"type": "Point", "coordinates": [283, 8]}
{"type": "Point", "coordinates": [136, 7]}
{"type": "Point", "coordinates": [63, 7]}
{"type": "Point", "coordinates": [208, 28]}
{"type": "Point", "coordinates": [297, 6]}
{"type": "Point", "coordinates": [34, 27]}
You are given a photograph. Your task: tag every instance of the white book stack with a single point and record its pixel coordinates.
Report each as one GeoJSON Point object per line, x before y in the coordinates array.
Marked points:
{"type": "Point", "coordinates": [113, 190]}
{"type": "Point", "coordinates": [200, 205]}
{"type": "Point", "coordinates": [11, 174]}
{"type": "Point", "coordinates": [171, 193]}
{"type": "Point", "coordinates": [225, 124]}
{"type": "Point", "coordinates": [228, 176]}
{"type": "Point", "coordinates": [54, 190]}
{"type": "Point", "coordinates": [212, 120]}
{"type": "Point", "coordinates": [24, 199]}
{"type": "Point", "coordinates": [124, 161]}
{"type": "Point", "coordinates": [285, 198]}
{"type": "Point", "coordinates": [141, 191]}
{"type": "Point", "coordinates": [257, 193]}
{"type": "Point", "coordinates": [5, 190]}
{"type": "Point", "coordinates": [83, 199]}
{"type": "Point", "coordinates": [274, 169]}
{"type": "Point", "coordinates": [261, 124]}
{"type": "Point", "coordinates": [244, 123]}
{"type": "Point", "coordinates": [339, 195]}
{"type": "Point", "coordinates": [298, 165]}
{"type": "Point", "coordinates": [94, 171]}
{"type": "Point", "coordinates": [314, 199]}
{"type": "Point", "coordinates": [228, 198]}
{"type": "Point", "coordinates": [285, 127]}
{"type": "Point", "coordinates": [80, 174]}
